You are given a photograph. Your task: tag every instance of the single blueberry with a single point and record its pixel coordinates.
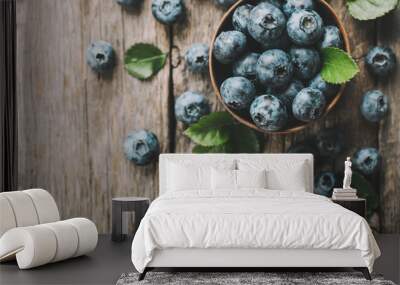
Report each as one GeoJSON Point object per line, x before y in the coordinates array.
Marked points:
{"type": "Point", "coordinates": [190, 107]}
{"type": "Point", "coordinates": [266, 23]}
{"type": "Point", "coordinates": [306, 62]}
{"type": "Point", "coordinates": [328, 89]}
{"type": "Point", "coordinates": [374, 105]}
{"type": "Point", "coordinates": [304, 27]}
{"type": "Point", "coordinates": [289, 6]}
{"type": "Point", "coordinates": [229, 45]}
{"type": "Point", "coordinates": [241, 17]}
{"type": "Point", "coordinates": [308, 105]}
{"type": "Point", "coordinates": [269, 113]}
{"type": "Point", "coordinates": [238, 92]}
{"type": "Point", "coordinates": [330, 142]}
{"type": "Point", "coordinates": [246, 66]}
{"type": "Point", "coordinates": [288, 95]}
{"type": "Point", "coordinates": [129, 3]}
{"type": "Point", "coordinates": [197, 58]}
{"type": "Point", "coordinates": [324, 183]}
{"type": "Point", "coordinates": [167, 11]}
{"type": "Point", "coordinates": [381, 61]}
{"type": "Point", "coordinates": [274, 68]}
{"type": "Point", "coordinates": [141, 147]}
{"type": "Point", "coordinates": [225, 3]}
{"type": "Point", "coordinates": [367, 160]}
{"type": "Point", "coordinates": [100, 56]}
{"type": "Point", "coordinates": [331, 38]}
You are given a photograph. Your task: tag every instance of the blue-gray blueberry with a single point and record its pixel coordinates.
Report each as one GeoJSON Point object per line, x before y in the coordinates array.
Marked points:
{"type": "Point", "coordinates": [197, 58]}
{"type": "Point", "coordinates": [367, 160]}
{"type": "Point", "coordinates": [100, 56]}
{"type": "Point", "coordinates": [168, 11]}
{"type": "Point", "coordinates": [306, 62]}
{"type": "Point", "coordinates": [269, 113]}
{"type": "Point", "coordinates": [287, 96]}
{"type": "Point", "coordinates": [289, 6]}
{"type": "Point", "coordinates": [324, 183]}
{"type": "Point", "coordinates": [190, 107]}
{"type": "Point", "coordinates": [381, 61]}
{"type": "Point", "coordinates": [141, 147]}
{"type": "Point", "coordinates": [304, 27]}
{"type": "Point", "coordinates": [308, 105]}
{"type": "Point", "coordinates": [331, 38]}
{"type": "Point", "coordinates": [330, 142]}
{"type": "Point", "coordinates": [374, 105]}
{"type": "Point", "coordinates": [240, 17]}
{"type": "Point", "coordinates": [229, 45]}
{"type": "Point", "coordinates": [246, 66]}
{"type": "Point", "coordinates": [238, 92]}
{"type": "Point", "coordinates": [328, 89]}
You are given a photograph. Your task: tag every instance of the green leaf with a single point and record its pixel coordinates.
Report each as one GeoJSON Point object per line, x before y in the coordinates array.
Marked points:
{"type": "Point", "coordinates": [339, 67]}
{"type": "Point", "coordinates": [365, 190]}
{"type": "Point", "coordinates": [370, 9]}
{"type": "Point", "coordinates": [223, 148]}
{"type": "Point", "coordinates": [211, 130]}
{"type": "Point", "coordinates": [144, 60]}
{"type": "Point", "coordinates": [243, 139]}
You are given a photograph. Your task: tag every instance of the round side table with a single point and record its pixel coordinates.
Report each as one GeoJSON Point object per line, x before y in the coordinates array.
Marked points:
{"type": "Point", "coordinates": [139, 205]}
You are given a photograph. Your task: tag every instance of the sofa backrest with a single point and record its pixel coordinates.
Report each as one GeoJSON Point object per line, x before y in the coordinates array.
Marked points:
{"type": "Point", "coordinates": [263, 158]}
{"type": "Point", "coordinates": [26, 208]}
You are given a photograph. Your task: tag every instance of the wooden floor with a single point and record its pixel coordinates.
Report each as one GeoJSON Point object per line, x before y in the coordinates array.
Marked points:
{"type": "Point", "coordinates": [110, 260]}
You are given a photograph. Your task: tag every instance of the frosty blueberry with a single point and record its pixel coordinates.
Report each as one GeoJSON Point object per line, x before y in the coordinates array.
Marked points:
{"type": "Point", "coordinates": [240, 17]}
{"type": "Point", "coordinates": [287, 96]}
{"type": "Point", "coordinates": [167, 11]}
{"type": "Point", "coordinates": [190, 107]}
{"type": "Point", "coordinates": [229, 46]}
{"type": "Point", "coordinates": [246, 66]}
{"type": "Point", "coordinates": [269, 113]}
{"type": "Point", "coordinates": [238, 92]}
{"type": "Point", "coordinates": [324, 183]}
{"type": "Point", "coordinates": [274, 68]}
{"type": "Point", "coordinates": [225, 3]}
{"type": "Point", "coordinates": [308, 105]}
{"type": "Point", "coordinates": [100, 56]}
{"type": "Point", "coordinates": [330, 142]}
{"type": "Point", "coordinates": [331, 38]}
{"type": "Point", "coordinates": [367, 160]}
{"type": "Point", "coordinates": [306, 62]}
{"type": "Point", "coordinates": [141, 147]}
{"type": "Point", "coordinates": [374, 105]}
{"type": "Point", "coordinates": [328, 89]}
{"type": "Point", "coordinates": [129, 3]}
{"type": "Point", "coordinates": [197, 58]}
{"type": "Point", "coordinates": [266, 23]}
{"type": "Point", "coordinates": [304, 27]}
{"type": "Point", "coordinates": [289, 6]}
{"type": "Point", "coordinates": [380, 61]}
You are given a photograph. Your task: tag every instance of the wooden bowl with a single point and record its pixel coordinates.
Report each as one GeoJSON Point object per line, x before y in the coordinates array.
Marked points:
{"type": "Point", "coordinates": [219, 72]}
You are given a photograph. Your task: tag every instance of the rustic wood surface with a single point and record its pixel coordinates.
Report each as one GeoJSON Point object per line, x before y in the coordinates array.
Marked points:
{"type": "Point", "coordinates": [72, 122]}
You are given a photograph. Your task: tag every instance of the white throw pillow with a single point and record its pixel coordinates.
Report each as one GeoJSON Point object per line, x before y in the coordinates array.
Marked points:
{"type": "Point", "coordinates": [251, 179]}
{"type": "Point", "coordinates": [225, 179]}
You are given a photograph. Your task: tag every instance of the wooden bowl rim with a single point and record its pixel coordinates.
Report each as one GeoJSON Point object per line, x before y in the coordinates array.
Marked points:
{"type": "Point", "coordinates": [228, 13]}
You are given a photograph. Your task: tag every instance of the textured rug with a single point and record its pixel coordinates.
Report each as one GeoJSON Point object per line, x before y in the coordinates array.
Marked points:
{"type": "Point", "coordinates": [244, 278]}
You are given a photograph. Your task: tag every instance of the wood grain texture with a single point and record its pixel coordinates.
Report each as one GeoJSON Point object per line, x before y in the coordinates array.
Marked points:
{"type": "Point", "coordinates": [389, 131]}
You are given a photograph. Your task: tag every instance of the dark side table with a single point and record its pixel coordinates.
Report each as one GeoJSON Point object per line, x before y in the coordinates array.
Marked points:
{"type": "Point", "coordinates": [139, 205]}
{"type": "Point", "coordinates": [358, 205]}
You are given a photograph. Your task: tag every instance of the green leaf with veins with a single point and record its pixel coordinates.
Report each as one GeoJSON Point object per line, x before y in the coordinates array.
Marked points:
{"type": "Point", "coordinates": [370, 9]}
{"type": "Point", "coordinates": [339, 67]}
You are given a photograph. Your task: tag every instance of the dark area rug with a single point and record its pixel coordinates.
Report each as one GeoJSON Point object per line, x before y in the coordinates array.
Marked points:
{"type": "Point", "coordinates": [244, 278]}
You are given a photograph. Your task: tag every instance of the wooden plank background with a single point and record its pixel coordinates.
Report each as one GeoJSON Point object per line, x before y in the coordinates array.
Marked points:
{"type": "Point", "coordinates": [72, 122]}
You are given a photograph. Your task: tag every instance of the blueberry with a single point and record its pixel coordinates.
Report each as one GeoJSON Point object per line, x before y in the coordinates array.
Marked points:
{"type": "Point", "coordinates": [274, 68]}
{"type": "Point", "coordinates": [283, 42]}
{"type": "Point", "coordinates": [308, 105]}
{"type": "Point", "coordinates": [238, 92]}
{"type": "Point", "coordinates": [306, 62]}
{"type": "Point", "coordinates": [304, 27]}
{"type": "Point", "coordinates": [367, 160]}
{"type": "Point", "coordinates": [229, 46]}
{"type": "Point", "coordinates": [141, 147]}
{"type": "Point", "coordinates": [197, 58]}
{"type": "Point", "coordinates": [330, 142]}
{"type": "Point", "coordinates": [331, 38]}
{"type": "Point", "coordinates": [167, 11]}
{"type": "Point", "coordinates": [269, 113]}
{"type": "Point", "coordinates": [288, 95]}
{"type": "Point", "coordinates": [246, 66]}
{"type": "Point", "coordinates": [380, 61]}
{"type": "Point", "coordinates": [266, 23]}
{"type": "Point", "coordinates": [129, 3]}
{"type": "Point", "coordinates": [324, 183]}
{"type": "Point", "coordinates": [289, 6]}
{"type": "Point", "coordinates": [190, 107]}
{"type": "Point", "coordinates": [374, 105]}
{"type": "Point", "coordinates": [328, 89]}
{"type": "Point", "coordinates": [240, 17]}
{"type": "Point", "coordinates": [225, 3]}
{"type": "Point", "coordinates": [100, 56]}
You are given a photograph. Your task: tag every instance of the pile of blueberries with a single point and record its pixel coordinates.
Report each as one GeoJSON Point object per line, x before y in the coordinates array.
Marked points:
{"type": "Point", "coordinates": [274, 53]}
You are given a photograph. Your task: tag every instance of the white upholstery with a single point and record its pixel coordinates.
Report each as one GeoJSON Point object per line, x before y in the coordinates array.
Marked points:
{"type": "Point", "coordinates": [31, 233]}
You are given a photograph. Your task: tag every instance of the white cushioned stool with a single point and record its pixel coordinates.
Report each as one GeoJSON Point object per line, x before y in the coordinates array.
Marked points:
{"type": "Point", "coordinates": [31, 230]}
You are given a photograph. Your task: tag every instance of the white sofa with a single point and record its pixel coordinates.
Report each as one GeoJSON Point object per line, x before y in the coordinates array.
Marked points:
{"type": "Point", "coordinates": [31, 231]}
